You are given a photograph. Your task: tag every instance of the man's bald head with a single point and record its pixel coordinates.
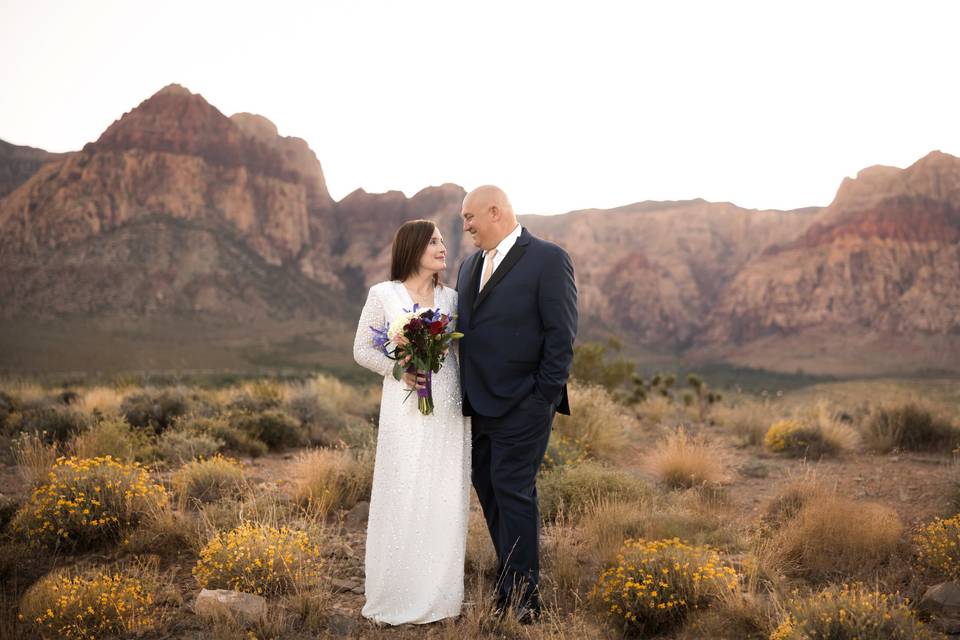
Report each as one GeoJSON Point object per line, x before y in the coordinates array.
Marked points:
{"type": "Point", "coordinates": [488, 216]}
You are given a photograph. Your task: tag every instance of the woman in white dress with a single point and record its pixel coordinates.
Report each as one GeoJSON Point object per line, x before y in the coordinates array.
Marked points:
{"type": "Point", "coordinates": [416, 533]}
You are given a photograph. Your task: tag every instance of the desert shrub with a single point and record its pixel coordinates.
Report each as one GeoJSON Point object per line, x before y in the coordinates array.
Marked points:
{"type": "Point", "coordinates": [53, 423]}
{"type": "Point", "coordinates": [796, 438]}
{"type": "Point", "coordinates": [747, 419]}
{"type": "Point", "coordinates": [325, 401]}
{"type": "Point", "coordinates": [329, 479]}
{"type": "Point", "coordinates": [33, 456]}
{"type": "Point", "coordinates": [597, 424]}
{"type": "Point", "coordinates": [87, 503]}
{"type": "Point", "coordinates": [938, 546]}
{"type": "Point", "coordinates": [113, 436]}
{"type": "Point", "coordinates": [154, 408]}
{"type": "Point", "coordinates": [234, 439]}
{"type": "Point", "coordinates": [680, 461]}
{"type": "Point", "coordinates": [571, 488]}
{"type": "Point", "coordinates": [836, 536]}
{"type": "Point", "coordinates": [89, 604]}
{"type": "Point", "coordinates": [597, 363]}
{"type": "Point", "coordinates": [908, 427]}
{"type": "Point", "coordinates": [563, 450]}
{"type": "Point", "coordinates": [655, 584]}
{"type": "Point", "coordinates": [179, 445]}
{"type": "Point", "coordinates": [850, 613]}
{"type": "Point", "coordinates": [208, 480]}
{"type": "Point", "coordinates": [7, 406]}
{"type": "Point", "coordinates": [258, 396]}
{"type": "Point", "coordinates": [259, 558]}
{"type": "Point", "coordinates": [274, 428]}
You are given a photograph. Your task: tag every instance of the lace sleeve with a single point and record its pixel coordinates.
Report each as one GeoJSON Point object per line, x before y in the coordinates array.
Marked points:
{"type": "Point", "coordinates": [364, 352]}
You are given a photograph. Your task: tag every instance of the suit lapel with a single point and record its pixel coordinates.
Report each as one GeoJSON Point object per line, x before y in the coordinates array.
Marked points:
{"type": "Point", "coordinates": [512, 258]}
{"type": "Point", "coordinates": [473, 279]}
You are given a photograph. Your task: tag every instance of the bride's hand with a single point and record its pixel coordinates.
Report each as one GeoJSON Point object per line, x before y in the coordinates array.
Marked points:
{"type": "Point", "coordinates": [418, 381]}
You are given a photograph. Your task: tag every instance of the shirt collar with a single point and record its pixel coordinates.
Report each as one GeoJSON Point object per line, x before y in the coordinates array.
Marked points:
{"type": "Point", "coordinates": [507, 243]}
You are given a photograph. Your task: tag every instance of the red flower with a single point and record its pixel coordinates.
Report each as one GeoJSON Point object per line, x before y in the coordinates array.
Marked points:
{"type": "Point", "coordinates": [436, 327]}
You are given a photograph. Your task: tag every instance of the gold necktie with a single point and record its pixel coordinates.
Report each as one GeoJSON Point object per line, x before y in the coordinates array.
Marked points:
{"type": "Point", "coordinates": [487, 268]}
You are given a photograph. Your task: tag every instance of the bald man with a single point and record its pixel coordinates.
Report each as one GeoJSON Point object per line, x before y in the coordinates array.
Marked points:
{"type": "Point", "coordinates": [517, 310]}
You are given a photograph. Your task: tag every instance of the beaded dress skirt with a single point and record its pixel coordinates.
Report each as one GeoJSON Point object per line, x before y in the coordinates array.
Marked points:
{"type": "Point", "coordinates": [416, 533]}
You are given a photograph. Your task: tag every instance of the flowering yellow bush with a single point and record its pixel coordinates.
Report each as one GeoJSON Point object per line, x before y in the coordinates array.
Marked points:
{"type": "Point", "coordinates": [88, 605]}
{"type": "Point", "coordinates": [260, 559]}
{"type": "Point", "coordinates": [845, 612]}
{"type": "Point", "coordinates": [87, 502]}
{"type": "Point", "coordinates": [208, 480]}
{"type": "Point", "coordinates": [792, 437]}
{"type": "Point", "coordinates": [654, 584]}
{"type": "Point", "coordinates": [938, 544]}
{"type": "Point", "coordinates": [563, 450]}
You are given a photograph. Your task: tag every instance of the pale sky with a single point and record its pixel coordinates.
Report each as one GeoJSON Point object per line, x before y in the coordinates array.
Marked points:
{"type": "Point", "coordinates": [567, 105]}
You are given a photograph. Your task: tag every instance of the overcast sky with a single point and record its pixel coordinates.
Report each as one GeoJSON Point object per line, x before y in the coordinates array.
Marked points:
{"type": "Point", "coordinates": [566, 105]}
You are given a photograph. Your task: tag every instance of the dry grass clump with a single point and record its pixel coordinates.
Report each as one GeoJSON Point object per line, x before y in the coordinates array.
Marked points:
{"type": "Point", "coordinates": [908, 427]}
{"type": "Point", "coordinates": [657, 410]}
{"type": "Point", "coordinates": [103, 400]}
{"type": "Point", "coordinates": [113, 436]}
{"type": "Point", "coordinates": [833, 536]}
{"type": "Point", "coordinates": [256, 396]}
{"type": "Point", "coordinates": [655, 584]}
{"type": "Point", "coordinates": [90, 604]}
{"type": "Point", "coordinates": [325, 401]}
{"type": "Point", "coordinates": [259, 558]}
{"type": "Point", "coordinates": [597, 425]}
{"type": "Point", "coordinates": [329, 479]}
{"type": "Point", "coordinates": [34, 457]}
{"type": "Point", "coordinates": [481, 557]}
{"type": "Point", "coordinates": [938, 546]}
{"type": "Point", "coordinates": [681, 461]}
{"type": "Point", "coordinates": [748, 419]}
{"type": "Point", "coordinates": [571, 488]}
{"type": "Point", "coordinates": [850, 613]}
{"type": "Point", "coordinates": [88, 503]}
{"type": "Point", "coordinates": [208, 480]}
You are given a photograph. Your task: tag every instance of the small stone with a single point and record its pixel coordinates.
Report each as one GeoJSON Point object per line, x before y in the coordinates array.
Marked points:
{"type": "Point", "coordinates": [341, 625]}
{"type": "Point", "coordinates": [243, 607]}
{"type": "Point", "coordinates": [357, 517]}
{"type": "Point", "coordinates": [343, 586]}
{"type": "Point", "coordinates": [942, 601]}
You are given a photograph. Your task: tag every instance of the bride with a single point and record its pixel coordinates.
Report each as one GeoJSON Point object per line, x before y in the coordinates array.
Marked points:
{"type": "Point", "coordinates": [416, 534]}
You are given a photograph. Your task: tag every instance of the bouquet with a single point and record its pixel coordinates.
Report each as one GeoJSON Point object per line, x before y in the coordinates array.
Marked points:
{"type": "Point", "coordinates": [418, 341]}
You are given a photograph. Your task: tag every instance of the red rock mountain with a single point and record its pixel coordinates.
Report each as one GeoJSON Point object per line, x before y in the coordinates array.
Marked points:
{"type": "Point", "coordinates": [180, 214]}
{"type": "Point", "coordinates": [17, 164]}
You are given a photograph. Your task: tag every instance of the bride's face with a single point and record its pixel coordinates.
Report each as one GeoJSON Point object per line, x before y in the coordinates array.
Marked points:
{"type": "Point", "coordinates": [434, 258]}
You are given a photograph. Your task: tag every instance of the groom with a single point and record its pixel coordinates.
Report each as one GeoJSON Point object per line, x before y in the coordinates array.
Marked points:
{"type": "Point", "coordinates": [518, 312]}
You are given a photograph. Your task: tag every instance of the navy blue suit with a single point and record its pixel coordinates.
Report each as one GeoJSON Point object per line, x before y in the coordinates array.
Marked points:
{"type": "Point", "coordinates": [515, 358]}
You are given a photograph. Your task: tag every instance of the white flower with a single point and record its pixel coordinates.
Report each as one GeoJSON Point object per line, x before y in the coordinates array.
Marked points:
{"type": "Point", "coordinates": [396, 327]}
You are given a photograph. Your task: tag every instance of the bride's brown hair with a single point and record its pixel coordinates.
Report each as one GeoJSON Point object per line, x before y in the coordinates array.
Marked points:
{"type": "Point", "coordinates": [409, 243]}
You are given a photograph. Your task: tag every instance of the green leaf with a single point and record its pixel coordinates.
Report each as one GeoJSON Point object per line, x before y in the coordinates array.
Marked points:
{"type": "Point", "coordinates": [397, 371]}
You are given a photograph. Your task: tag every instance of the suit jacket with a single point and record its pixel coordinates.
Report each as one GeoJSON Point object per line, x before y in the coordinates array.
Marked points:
{"type": "Point", "coordinates": [518, 331]}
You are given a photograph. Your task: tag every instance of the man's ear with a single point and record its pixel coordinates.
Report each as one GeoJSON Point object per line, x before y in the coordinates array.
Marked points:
{"type": "Point", "coordinates": [495, 213]}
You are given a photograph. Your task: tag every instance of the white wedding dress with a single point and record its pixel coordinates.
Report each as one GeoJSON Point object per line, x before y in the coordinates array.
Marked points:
{"type": "Point", "coordinates": [416, 534]}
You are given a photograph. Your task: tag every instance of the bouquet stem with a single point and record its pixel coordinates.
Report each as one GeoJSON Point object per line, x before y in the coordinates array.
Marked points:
{"type": "Point", "coordinates": [425, 395]}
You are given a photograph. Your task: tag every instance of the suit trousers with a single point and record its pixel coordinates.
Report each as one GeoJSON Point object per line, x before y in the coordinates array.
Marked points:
{"type": "Point", "coordinates": [507, 452]}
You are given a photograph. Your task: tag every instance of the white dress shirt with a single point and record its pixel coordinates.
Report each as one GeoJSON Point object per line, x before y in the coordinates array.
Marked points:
{"type": "Point", "coordinates": [505, 245]}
